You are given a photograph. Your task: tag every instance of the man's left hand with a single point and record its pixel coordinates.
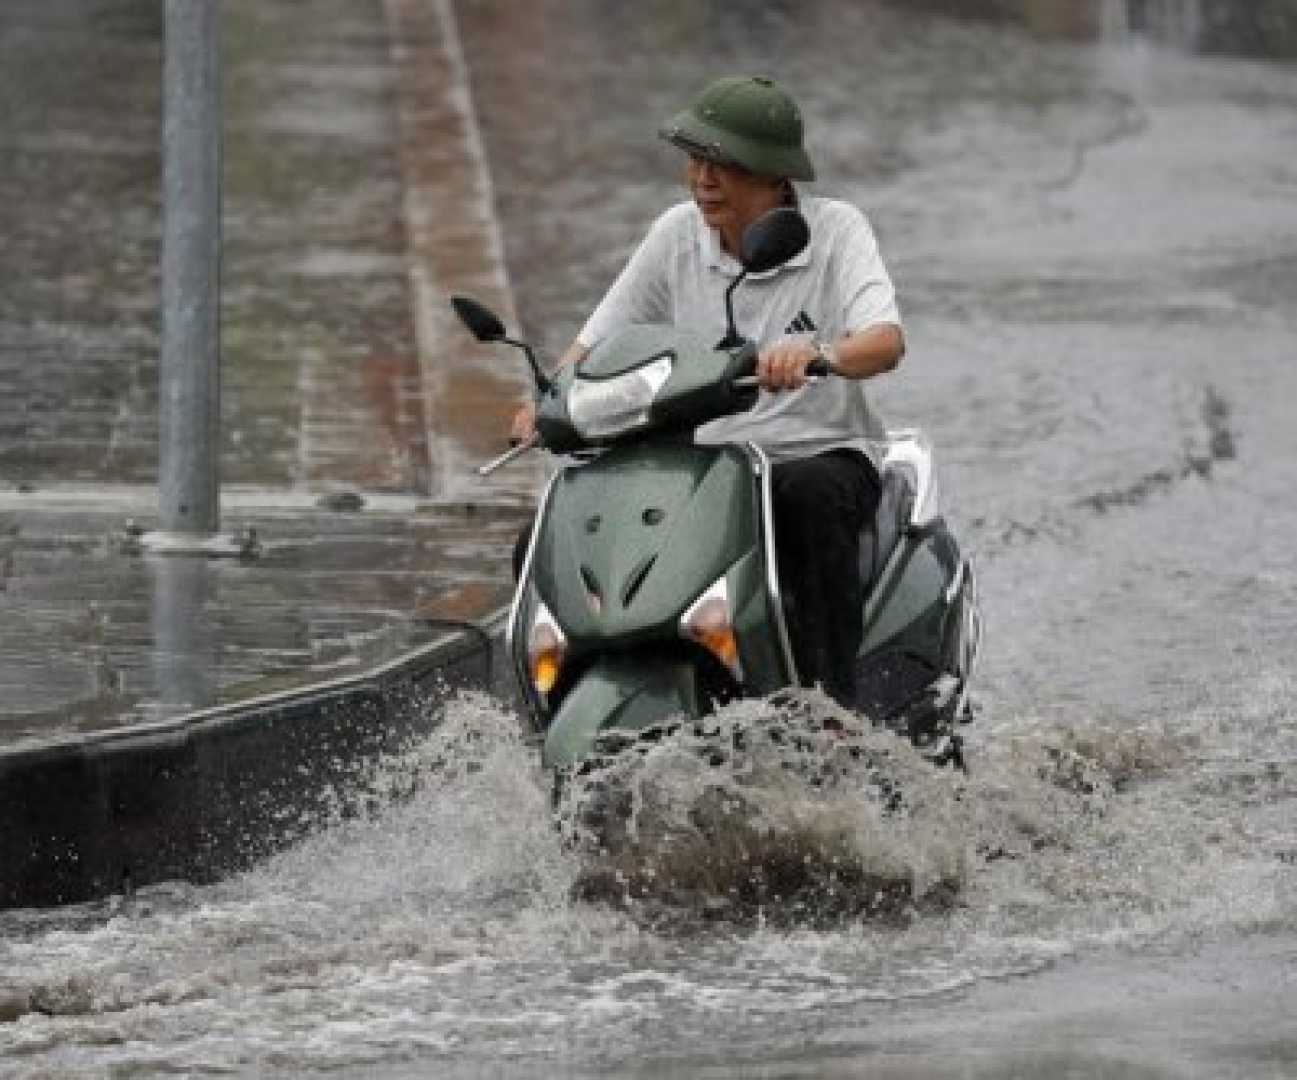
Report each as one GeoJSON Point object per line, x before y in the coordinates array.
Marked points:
{"type": "Point", "coordinates": [782, 366]}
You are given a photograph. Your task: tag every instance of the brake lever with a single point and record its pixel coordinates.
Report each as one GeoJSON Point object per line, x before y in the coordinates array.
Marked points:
{"type": "Point", "coordinates": [514, 452]}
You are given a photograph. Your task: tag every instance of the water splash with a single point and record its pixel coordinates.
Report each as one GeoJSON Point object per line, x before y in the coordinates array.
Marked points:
{"type": "Point", "coordinates": [814, 866]}
{"type": "Point", "coordinates": [789, 814]}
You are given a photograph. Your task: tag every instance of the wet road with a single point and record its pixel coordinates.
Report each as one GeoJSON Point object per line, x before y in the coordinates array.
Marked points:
{"type": "Point", "coordinates": [1096, 250]}
{"type": "Point", "coordinates": [345, 378]}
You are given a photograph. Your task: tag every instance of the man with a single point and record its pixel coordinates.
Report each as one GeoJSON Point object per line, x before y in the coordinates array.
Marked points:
{"type": "Point", "coordinates": [743, 137]}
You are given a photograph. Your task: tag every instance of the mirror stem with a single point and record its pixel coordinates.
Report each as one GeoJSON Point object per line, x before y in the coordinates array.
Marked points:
{"type": "Point", "coordinates": [731, 338]}
{"type": "Point", "coordinates": [543, 382]}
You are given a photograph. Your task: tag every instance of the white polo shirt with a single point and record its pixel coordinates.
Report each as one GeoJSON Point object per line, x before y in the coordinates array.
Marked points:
{"type": "Point", "coordinates": [837, 285]}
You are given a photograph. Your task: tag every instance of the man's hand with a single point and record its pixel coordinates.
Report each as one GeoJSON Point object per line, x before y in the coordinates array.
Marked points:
{"type": "Point", "coordinates": [858, 355]}
{"type": "Point", "coordinates": [523, 426]}
{"type": "Point", "coordinates": [782, 366]}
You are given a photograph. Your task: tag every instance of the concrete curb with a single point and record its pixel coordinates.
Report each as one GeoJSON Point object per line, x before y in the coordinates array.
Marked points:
{"type": "Point", "coordinates": [211, 792]}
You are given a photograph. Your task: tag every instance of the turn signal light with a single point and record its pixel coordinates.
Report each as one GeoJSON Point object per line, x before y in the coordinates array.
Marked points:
{"type": "Point", "coordinates": [546, 646]}
{"type": "Point", "coordinates": [544, 671]}
{"type": "Point", "coordinates": [722, 644]}
{"type": "Point", "coordinates": [709, 622]}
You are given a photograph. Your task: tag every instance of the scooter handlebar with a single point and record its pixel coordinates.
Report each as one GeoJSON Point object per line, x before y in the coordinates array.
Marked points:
{"type": "Point", "coordinates": [816, 369]}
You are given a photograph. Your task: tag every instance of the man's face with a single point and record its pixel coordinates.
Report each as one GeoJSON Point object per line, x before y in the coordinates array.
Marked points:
{"type": "Point", "coordinates": [729, 196]}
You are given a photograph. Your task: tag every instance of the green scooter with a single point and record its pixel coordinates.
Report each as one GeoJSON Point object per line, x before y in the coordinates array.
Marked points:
{"type": "Point", "coordinates": [649, 591]}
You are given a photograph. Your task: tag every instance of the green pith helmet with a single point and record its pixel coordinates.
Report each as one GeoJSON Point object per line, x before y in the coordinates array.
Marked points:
{"type": "Point", "coordinates": [744, 120]}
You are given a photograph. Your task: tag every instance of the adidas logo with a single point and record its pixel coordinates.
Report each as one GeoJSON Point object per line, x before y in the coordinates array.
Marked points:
{"type": "Point", "coordinates": [802, 324]}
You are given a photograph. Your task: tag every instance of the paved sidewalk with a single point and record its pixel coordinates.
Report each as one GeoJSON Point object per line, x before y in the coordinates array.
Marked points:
{"type": "Point", "coordinates": [356, 201]}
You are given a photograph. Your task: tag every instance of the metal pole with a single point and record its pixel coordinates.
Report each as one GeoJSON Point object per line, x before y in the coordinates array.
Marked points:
{"type": "Point", "coordinates": [189, 368]}
{"type": "Point", "coordinates": [184, 646]}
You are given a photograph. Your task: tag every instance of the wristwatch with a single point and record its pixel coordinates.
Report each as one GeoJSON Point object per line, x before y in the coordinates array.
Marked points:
{"type": "Point", "coordinates": [826, 352]}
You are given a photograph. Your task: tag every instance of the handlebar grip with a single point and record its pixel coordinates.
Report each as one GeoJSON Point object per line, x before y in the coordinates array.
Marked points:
{"type": "Point", "coordinates": [815, 369]}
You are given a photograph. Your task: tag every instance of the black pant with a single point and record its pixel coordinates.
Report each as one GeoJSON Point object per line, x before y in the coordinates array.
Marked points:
{"type": "Point", "coordinates": [821, 504]}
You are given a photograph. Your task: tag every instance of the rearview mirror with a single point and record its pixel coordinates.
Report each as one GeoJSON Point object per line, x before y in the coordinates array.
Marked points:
{"type": "Point", "coordinates": [774, 238]}
{"type": "Point", "coordinates": [485, 325]}
{"type": "Point", "coordinates": [482, 322]}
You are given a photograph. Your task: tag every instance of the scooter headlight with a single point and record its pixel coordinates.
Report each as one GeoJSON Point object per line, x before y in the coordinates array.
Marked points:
{"type": "Point", "coordinates": [710, 622]}
{"type": "Point", "coordinates": [546, 647]}
{"type": "Point", "coordinates": [600, 408]}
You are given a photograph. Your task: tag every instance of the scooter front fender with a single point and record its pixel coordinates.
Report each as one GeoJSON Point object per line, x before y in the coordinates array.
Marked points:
{"type": "Point", "coordinates": [625, 692]}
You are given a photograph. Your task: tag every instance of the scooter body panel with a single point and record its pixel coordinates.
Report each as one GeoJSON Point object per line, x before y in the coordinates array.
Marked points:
{"type": "Point", "coordinates": [631, 538]}
{"type": "Point", "coordinates": [623, 691]}
{"type": "Point", "coordinates": [919, 636]}
{"type": "Point", "coordinates": [909, 601]}
{"type": "Point", "coordinates": [623, 546]}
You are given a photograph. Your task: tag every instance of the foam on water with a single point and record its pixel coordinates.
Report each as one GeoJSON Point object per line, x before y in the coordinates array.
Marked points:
{"type": "Point", "coordinates": [788, 814]}
{"type": "Point", "coordinates": [440, 916]}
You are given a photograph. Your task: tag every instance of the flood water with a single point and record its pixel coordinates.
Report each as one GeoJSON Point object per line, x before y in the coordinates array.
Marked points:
{"type": "Point", "coordinates": [1095, 245]}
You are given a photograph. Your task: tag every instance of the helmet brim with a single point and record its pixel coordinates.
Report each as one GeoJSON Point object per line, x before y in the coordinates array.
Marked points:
{"type": "Point", "coordinates": [694, 136]}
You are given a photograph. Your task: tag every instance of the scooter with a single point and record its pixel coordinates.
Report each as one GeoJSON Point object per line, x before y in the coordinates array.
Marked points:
{"type": "Point", "coordinates": [649, 591]}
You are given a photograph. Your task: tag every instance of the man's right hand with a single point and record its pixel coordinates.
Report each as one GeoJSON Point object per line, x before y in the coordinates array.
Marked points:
{"type": "Point", "coordinates": [523, 426]}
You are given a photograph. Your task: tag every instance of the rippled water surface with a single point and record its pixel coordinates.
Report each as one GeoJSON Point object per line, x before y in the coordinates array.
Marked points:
{"type": "Point", "coordinates": [1096, 251]}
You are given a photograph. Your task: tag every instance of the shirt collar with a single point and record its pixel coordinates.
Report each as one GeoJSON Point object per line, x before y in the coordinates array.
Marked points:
{"type": "Point", "coordinates": [718, 259]}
